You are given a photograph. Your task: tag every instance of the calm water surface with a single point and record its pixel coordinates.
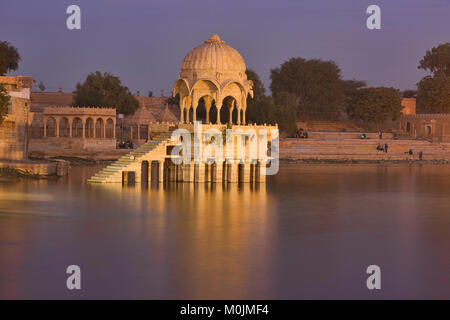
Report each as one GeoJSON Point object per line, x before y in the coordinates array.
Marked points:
{"type": "Point", "coordinates": [310, 233]}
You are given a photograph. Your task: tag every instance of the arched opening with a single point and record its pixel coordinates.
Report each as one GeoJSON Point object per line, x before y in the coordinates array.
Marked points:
{"type": "Point", "coordinates": [143, 131]}
{"type": "Point", "coordinates": [134, 131]}
{"type": "Point", "coordinates": [229, 110]}
{"type": "Point", "coordinates": [408, 127]}
{"type": "Point", "coordinates": [99, 128]}
{"type": "Point", "coordinates": [77, 128]}
{"type": "Point", "coordinates": [429, 130]}
{"type": "Point", "coordinates": [50, 127]}
{"type": "Point", "coordinates": [64, 129]}
{"type": "Point", "coordinates": [200, 112]}
{"type": "Point", "coordinates": [185, 115]}
{"type": "Point", "coordinates": [109, 129]}
{"type": "Point", "coordinates": [213, 113]}
{"type": "Point", "coordinates": [89, 128]}
{"type": "Point", "coordinates": [191, 115]}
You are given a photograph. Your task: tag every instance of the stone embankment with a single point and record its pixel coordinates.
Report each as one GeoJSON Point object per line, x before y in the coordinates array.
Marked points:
{"type": "Point", "coordinates": [362, 150]}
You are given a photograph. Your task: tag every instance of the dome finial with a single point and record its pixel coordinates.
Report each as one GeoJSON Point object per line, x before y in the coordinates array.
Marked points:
{"type": "Point", "coordinates": [214, 38]}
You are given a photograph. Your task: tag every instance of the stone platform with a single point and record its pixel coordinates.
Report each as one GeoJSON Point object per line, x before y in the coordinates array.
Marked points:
{"type": "Point", "coordinates": [360, 150]}
{"type": "Point", "coordinates": [40, 167]}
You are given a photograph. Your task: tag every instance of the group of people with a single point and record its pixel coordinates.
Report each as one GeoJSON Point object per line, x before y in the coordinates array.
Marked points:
{"type": "Point", "coordinates": [125, 145]}
{"type": "Point", "coordinates": [382, 148]}
{"type": "Point", "coordinates": [411, 153]}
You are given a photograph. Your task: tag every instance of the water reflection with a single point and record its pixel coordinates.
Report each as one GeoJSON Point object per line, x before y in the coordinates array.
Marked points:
{"type": "Point", "coordinates": [309, 233]}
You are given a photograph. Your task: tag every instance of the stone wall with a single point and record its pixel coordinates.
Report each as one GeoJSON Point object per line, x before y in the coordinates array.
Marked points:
{"type": "Point", "coordinates": [426, 126]}
{"type": "Point", "coordinates": [55, 144]}
{"type": "Point", "coordinates": [14, 130]}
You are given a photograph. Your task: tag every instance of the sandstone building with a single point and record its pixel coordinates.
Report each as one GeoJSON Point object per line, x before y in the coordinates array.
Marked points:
{"type": "Point", "coordinates": [14, 130]}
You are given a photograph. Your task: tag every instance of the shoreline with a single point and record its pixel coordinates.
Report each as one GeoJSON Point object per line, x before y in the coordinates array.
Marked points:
{"type": "Point", "coordinates": [363, 161]}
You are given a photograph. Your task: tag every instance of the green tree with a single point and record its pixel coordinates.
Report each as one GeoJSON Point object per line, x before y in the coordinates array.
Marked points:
{"type": "Point", "coordinates": [286, 112]}
{"type": "Point", "coordinates": [4, 102]}
{"type": "Point", "coordinates": [410, 94]}
{"type": "Point", "coordinates": [433, 90]}
{"type": "Point", "coordinates": [434, 95]}
{"type": "Point", "coordinates": [9, 58]}
{"type": "Point", "coordinates": [437, 60]}
{"type": "Point", "coordinates": [260, 109]}
{"type": "Point", "coordinates": [105, 90]}
{"type": "Point", "coordinates": [316, 83]}
{"type": "Point", "coordinates": [376, 105]}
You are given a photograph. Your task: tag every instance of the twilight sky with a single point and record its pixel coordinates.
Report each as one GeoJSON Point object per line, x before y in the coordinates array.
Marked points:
{"type": "Point", "coordinates": [144, 41]}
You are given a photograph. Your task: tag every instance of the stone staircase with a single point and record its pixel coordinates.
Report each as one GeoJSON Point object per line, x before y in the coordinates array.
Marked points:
{"type": "Point", "coordinates": [151, 150]}
{"type": "Point", "coordinates": [356, 149]}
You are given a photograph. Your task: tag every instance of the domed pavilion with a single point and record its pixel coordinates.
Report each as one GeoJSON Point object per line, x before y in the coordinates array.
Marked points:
{"type": "Point", "coordinates": [213, 71]}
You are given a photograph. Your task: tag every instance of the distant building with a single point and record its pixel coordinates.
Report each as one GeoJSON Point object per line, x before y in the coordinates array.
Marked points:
{"type": "Point", "coordinates": [409, 105]}
{"type": "Point", "coordinates": [14, 130]}
{"type": "Point", "coordinates": [426, 126]}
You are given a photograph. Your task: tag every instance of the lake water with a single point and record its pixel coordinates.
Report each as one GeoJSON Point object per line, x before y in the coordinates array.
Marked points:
{"type": "Point", "coordinates": [310, 232]}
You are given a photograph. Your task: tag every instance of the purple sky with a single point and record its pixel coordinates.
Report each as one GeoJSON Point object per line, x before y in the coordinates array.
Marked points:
{"type": "Point", "coordinates": [144, 42]}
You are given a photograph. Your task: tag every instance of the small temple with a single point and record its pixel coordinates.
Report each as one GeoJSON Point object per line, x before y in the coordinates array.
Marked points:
{"type": "Point", "coordinates": [212, 89]}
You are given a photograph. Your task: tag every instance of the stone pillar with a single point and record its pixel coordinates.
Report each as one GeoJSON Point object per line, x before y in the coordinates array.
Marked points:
{"type": "Point", "coordinates": [218, 114]}
{"type": "Point", "coordinates": [83, 131]}
{"type": "Point", "coordinates": [182, 112]}
{"type": "Point", "coordinates": [70, 120]}
{"type": "Point", "coordinates": [194, 110]}
{"type": "Point", "coordinates": [161, 170]}
{"type": "Point", "coordinates": [224, 171]}
{"type": "Point", "coordinates": [219, 172]}
{"type": "Point", "coordinates": [208, 102]}
{"type": "Point", "coordinates": [233, 175]}
{"type": "Point", "coordinates": [243, 116]}
{"type": "Point", "coordinates": [201, 172]}
{"type": "Point", "coordinates": [104, 128]}
{"type": "Point", "coordinates": [246, 177]}
{"type": "Point", "coordinates": [57, 126]}
{"type": "Point", "coordinates": [188, 172]}
{"type": "Point", "coordinates": [45, 127]}
{"type": "Point", "coordinates": [262, 171]}
{"type": "Point", "coordinates": [239, 115]}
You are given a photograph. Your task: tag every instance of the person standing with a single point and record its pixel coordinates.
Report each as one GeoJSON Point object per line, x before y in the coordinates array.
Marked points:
{"type": "Point", "coordinates": [380, 134]}
{"type": "Point", "coordinates": [386, 148]}
{"type": "Point", "coordinates": [420, 155]}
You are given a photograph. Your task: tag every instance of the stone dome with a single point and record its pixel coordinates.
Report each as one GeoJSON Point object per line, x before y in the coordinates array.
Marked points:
{"type": "Point", "coordinates": [213, 56]}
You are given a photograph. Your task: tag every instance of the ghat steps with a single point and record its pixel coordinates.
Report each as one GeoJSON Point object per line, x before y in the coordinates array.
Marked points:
{"type": "Point", "coordinates": [356, 149]}
{"type": "Point", "coordinates": [154, 149]}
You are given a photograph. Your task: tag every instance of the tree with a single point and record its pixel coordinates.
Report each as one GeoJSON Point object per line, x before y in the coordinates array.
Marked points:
{"type": "Point", "coordinates": [9, 58]}
{"type": "Point", "coordinates": [437, 60]}
{"type": "Point", "coordinates": [286, 112]}
{"type": "Point", "coordinates": [4, 102]}
{"type": "Point", "coordinates": [376, 105]}
{"type": "Point", "coordinates": [433, 94]}
{"type": "Point", "coordinates": [350, 90]}
{"type": "Point", "coordinates": [105, 90]}
{"type": "Point", "coordinates": [260, 109]}
{"type": "Point", "coordinates": [410, 94]}
{"type": "Point", "coordinates": [150, 93]}
{"type": "Point", "coordinates": [316, 83]}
